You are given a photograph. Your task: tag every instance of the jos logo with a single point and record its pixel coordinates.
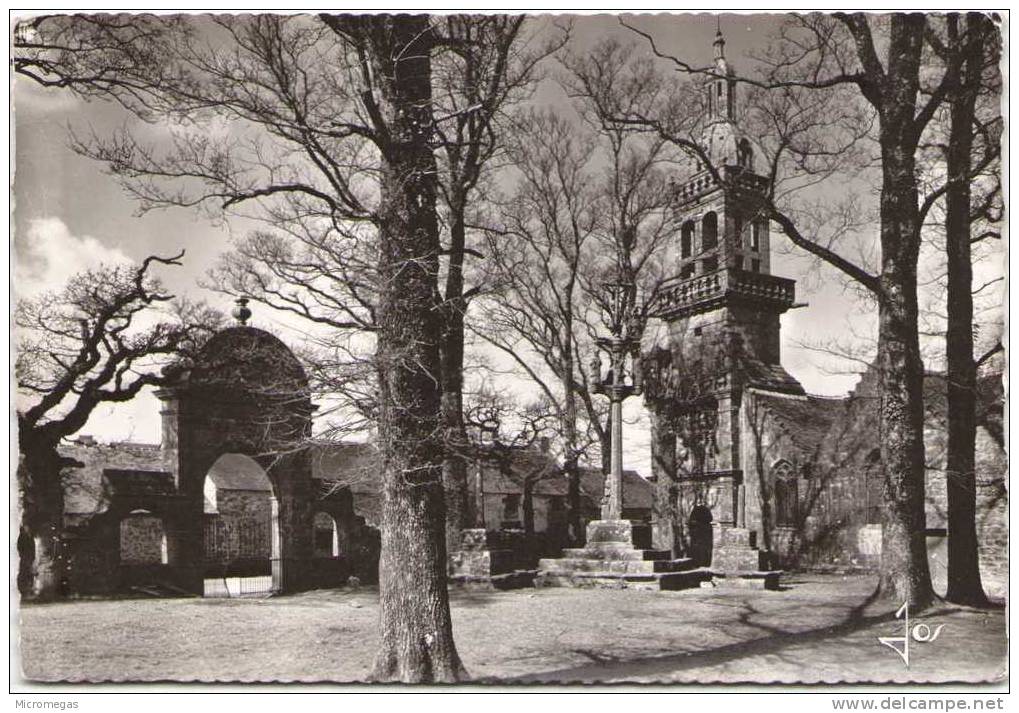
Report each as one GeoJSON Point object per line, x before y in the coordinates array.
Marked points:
{"type": "Point", "coordinates": [921, 633]}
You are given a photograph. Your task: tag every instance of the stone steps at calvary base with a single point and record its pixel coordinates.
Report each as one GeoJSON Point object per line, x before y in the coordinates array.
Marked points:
{"type": "Point", "coordinates": [614, 566]}
{"type": "Point", "coordinates": [655, 581]}
{"type": "Point", "coordinates": [745, 579]}
{"type": "Point", "coordinates": [605, 551]}
{"type": "Point", "coordinates": [703, 577]}
{"type": "Point", "coordinates": [517, 579]}
{"type": "Point", "coordinates": [621, 567]}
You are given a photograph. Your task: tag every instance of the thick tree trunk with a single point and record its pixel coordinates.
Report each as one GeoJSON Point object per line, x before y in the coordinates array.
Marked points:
{"type": "Point", "coordinates": [47, 569]}
{"type": "Point", "coordinates": [26, 562]}
{"type": "Point", "coordinates": [416, 631]}
{"type": "Point", "coordinates": [41, 570]}
{"type": "Point", "coordinates": [574, 513]}
{"type": "Point", "coordinates": [664, 525]}
{"type": "Point", "coordinates": [454, 465]}
{"type": "Point", "coordinates": [964, 585]}
{"type": "Point", "coordinates": [905, 574]}
{"type": "Point", "coordinates": [528, 506]}
{"type": "Point", "coordinates": [459, 513]}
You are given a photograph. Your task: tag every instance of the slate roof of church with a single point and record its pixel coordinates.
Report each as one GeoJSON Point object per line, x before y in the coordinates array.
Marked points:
{"type": "Point", "coordinates": [805, 420]}
{"type": "Point", "coordinates": [770, 377]}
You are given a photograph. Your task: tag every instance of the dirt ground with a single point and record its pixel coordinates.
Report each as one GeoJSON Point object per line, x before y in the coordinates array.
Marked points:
{"type": "Point", "coordinates": [817, 629]}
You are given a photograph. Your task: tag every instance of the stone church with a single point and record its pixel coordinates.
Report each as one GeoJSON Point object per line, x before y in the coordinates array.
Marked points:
{"type": "Point", "coordinates": [750, 471]}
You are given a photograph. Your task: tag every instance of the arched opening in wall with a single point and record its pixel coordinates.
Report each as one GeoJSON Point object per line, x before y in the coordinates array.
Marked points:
{"type": "Point", "coordinates": [686, 239]}
{"type": "Point", "coordinates": [326, 536]}
{"type": "Point", "coordinates": [786, 493]}
{"type": "Point", "coordinates": [701, 536]}
{"type": "Point", "coordinates": [241, 529]}
{"type": "Point", "coordinates": [142, 539]}
{"type": "Point", "coordinates": [709, 232]}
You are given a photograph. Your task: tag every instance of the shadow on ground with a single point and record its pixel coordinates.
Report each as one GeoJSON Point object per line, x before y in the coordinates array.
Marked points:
{"type": "Point", "coordinates": [605, 667]}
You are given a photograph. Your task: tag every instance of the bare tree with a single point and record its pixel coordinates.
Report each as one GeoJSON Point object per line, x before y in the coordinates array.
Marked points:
{"type": "Point", "coordinates": [490, 66]}
{"type": "Point", "coordinates": [329, 120]}
{"type": "Point", "coordinates": [879, 59]}
{"type": "Point", "coordinates": [536, 252]}
{"type": "Point", "coordinates": [591, 206]}
{"type": "Point", "coordinates": [502, 434]}
{"type": "Point", "coordinates": [119, 57]}
{"type": "Point", "coordinates": [325, 272]}
{"type": "Point", "coordinates": [98, 340]}
{"type": "Point", "coordinates": [636, 222]}
{"type": "Point", "coordinates": [975, 40]}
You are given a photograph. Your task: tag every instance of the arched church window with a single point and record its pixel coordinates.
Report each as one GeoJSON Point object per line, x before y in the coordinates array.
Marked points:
{"type": "Point", "coordinates": [786, 493]}
{"type": "Point", "coordinates": [709, 231]}
{"type": "Point", "coordinates": [686, 239]}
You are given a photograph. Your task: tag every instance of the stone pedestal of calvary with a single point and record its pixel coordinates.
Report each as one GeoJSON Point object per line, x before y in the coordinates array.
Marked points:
{"type": "Point", "coordinates": [617, 554]}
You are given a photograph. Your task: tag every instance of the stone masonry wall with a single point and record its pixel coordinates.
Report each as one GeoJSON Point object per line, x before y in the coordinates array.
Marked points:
{"type": "Point", "coordinates": [142, 540]}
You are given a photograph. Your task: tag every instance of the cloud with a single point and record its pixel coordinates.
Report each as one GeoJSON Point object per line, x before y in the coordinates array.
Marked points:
{"type": "Point", "coordinates": [48, 255]}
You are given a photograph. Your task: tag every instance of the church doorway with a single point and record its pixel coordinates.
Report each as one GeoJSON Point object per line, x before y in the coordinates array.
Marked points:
{"type": "Point", "coordinates": [241, 533]}
{"type": "Point", "coordinates": [701, 536]}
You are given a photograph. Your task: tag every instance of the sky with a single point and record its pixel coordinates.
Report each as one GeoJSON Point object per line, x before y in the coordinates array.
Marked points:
{"type": "Point", "coordinates": [69, 215]}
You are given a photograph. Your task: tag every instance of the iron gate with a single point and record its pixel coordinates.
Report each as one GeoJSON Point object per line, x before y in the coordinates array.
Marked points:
{"type": "Point", "coordinates": [239, 557]}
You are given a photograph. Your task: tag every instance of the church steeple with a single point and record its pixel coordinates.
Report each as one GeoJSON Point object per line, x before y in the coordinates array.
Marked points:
{"type": "Point", "coordinates": [722, 87]}
{"type": "Point", "coordinates": [722, 224]}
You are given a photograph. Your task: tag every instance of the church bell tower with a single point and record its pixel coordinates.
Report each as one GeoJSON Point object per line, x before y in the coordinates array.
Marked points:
{"type": "Point", "coordinates": [721, 310]}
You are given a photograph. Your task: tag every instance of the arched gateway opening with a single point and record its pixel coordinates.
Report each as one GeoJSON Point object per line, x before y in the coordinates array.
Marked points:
{"type": "Point", "coordinates": [236, 420]}
{"type": "Point", "coordinates": [241, 534]}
